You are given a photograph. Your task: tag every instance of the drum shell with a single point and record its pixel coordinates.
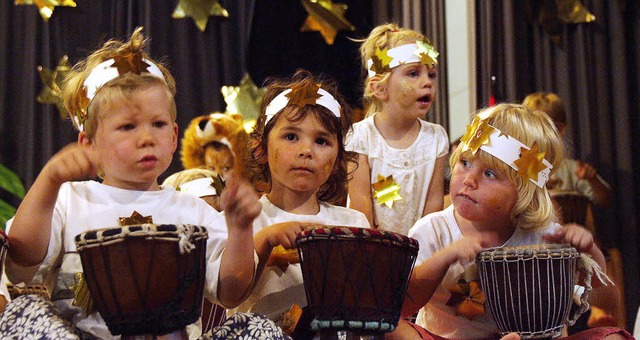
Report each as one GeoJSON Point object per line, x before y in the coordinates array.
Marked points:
{"type": "Point", "coordinates": [529, 290]}
{"type": "Point", "coordinates": [355, 278]}
{"type": "Point", "coordinates": [143, 284]}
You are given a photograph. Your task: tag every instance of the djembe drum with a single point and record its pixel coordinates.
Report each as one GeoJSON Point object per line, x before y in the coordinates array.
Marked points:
{"type": "Point", "coordinates": [355, 279]}
{"type": "Point", "coordinates": [529, 289]}
{"type": "Point", "coordinates": [145, 279]}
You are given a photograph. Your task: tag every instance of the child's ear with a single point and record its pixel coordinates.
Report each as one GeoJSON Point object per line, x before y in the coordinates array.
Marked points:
{"type": "Point", "coordinates": [378, 88]}
{"type": "Point", "coordinates": [83, 139]}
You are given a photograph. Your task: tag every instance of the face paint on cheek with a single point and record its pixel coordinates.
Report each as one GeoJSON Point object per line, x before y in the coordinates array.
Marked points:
{"type": "Point", "coordinates": [406, 88]}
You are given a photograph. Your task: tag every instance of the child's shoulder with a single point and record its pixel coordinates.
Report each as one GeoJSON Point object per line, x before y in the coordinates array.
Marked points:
{"type": "Point", "coordinates": [438, 219]}
{"type": "Point", "coordinates": [345, 216]}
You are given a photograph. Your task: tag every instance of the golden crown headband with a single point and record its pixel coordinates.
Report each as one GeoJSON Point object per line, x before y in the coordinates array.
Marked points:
{"type": "Point", "coordinates": [301, 95]}
{"type": "Point", "coordinates": [109, 70]}
{"type": "Point", "coordinates": [384, 60]}
{"type": "Point", "coordinates": [528, 162]}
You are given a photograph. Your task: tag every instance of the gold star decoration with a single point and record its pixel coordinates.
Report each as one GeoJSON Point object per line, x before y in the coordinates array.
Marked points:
{"type": "Point", "coordinates": [303, 94]}
{"type": "Point", "coordinates": [386, 190]}
{"type": "Point", "coordinates": [199, 11]}
{"type": "Point", "coordinates": [82, 296]}
{"type": "Point", "coordinates": [130, 63]}
{"type": "Point", "coordinates": [427, 53]}
{"type": "Point", "coordinates": [477, 134]}
{"type": "Point", "coordinates": [530, 163]}
{"type": "Point", "coordinates": [467, 299]}
{"type": "Point", "coordinates": [51, 92]}
{"type": "Point", "coordinates": [327, 18]}
{"type": "Point", "coordinates": [244, 99]}
{"type": "Point", "coordinates": [46, 7]}
{"type": "Point", "coordinates": [135, 218]}
{"type": "Point", "coordinates": [381, 61]}
{"type": "Point", "coordinates": [552, 15]}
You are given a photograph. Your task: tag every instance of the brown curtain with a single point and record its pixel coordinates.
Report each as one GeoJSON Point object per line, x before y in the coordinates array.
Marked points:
{"type": "Point", "coordinates": [594, 68]}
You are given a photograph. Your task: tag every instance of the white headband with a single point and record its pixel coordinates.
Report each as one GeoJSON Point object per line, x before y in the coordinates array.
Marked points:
{"type": "Point", "coordinates": [105, 72]}
{"type": "Point", "coordinates": [281, 101]}
{"type": "Point", "coordinates": [199, 187]}
{"type": "Point", "coordinates": [528, 162]}
{"type": "Point", "coordinates": [385, 60]}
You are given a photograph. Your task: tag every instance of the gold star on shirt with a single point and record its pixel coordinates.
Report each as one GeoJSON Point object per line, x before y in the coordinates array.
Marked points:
{"type": "Point", "coordinates": [135, 218]}
{"type": "Point", "coordinates": [530, 163]}
{"type": "Point", "coordinates": [199, 11]}
{"type": "Point", "coordinates": [467, 299]}
{"type": "Point", "coordinates": [303, 94]}
{"type": "Point", "coordinates": [477, 134]}
{"type": "Point", "coordinates": [386, 190]}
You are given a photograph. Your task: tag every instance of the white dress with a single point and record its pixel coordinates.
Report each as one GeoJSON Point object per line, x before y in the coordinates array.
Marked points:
{"type": "Point", "coordinates": [276, 289]}
{"type": "Point", "coordinates": [412, 168]}
{"type": "Point", "coordinates": [89, 205]}
{"type": "Point", "coordinates": [439, 230]}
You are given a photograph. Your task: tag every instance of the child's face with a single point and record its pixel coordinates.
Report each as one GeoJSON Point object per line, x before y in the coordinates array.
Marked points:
{"type": "Point", "coordinates": [301, 154]}
{"type": "Point", "coordinates": [411, 89]}
{"type": "Point", "coordinates": [136, 139]}
{"type": "Point", "coordinates": [481, 194]}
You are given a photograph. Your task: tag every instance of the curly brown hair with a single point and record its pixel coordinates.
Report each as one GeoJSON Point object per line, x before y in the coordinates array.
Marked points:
{"type": "Point", "coordinates": [334, 190]}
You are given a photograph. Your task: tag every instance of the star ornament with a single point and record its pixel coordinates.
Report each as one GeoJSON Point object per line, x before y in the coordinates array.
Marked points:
{"type": "Point", "coordinates": [199, 11]}
{"type": "Point", "coordinates": [467, 299]}
{"type": "Point", "coordinates": [303, 94]}
{"type": "Point", "coordinates": [381, 61]}
{"type": "Point", "coordinates": [325, 17]}
{"type": "Point", "coordinates": [244, 99]}
{"type": "Point", "coordinates": [135, 218]}
{"type": "Point", "coordinates": [51, 92]}
{"type": "Point", "coordinates": [46, 7]}
{"type": "Point", "coordinates": [386, 190]}
{"type": "Point", "coordinates": [427, 53]}
{"type": "Point", "coordinates": [530, 163]}
{"type": "Point", "coordinates": [477, 134]}
{"type": "Point", "coordinates": [130, 63]}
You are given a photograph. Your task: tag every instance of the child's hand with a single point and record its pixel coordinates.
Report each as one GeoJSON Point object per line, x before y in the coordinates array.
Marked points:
{"type": "Point", "coordinates": [283, 234]}
{"type": "Point", "coordinates": [240, 203]}
{"type": "Point", "coordinates": [585, 171]}
{"type": "Point", "coordinates": [573, 234]}
{"type": "Point", "coordinates": [464, 250]}
{"type": "Point", "coordinates": [72, 163]}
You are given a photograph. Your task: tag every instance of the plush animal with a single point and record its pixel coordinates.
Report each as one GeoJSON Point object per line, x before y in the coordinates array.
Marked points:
{"type": "Point", "coordinates": [216, 141]}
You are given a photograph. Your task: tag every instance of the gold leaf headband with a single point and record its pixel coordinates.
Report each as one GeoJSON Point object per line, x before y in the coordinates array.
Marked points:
{"type": "Point", "coordinates": [109, 70]}
{"type": "Point", "coordinates": [528, 162]}
{"type": "Point", "coordinates": [384, 60]}
{"type": "Point", "coordinates": [301, 95]}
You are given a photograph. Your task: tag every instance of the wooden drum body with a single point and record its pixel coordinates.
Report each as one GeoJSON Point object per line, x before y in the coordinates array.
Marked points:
{"type": "Point", "coordinates": [529, 289]}
{"type": "Point", "coordinates": [355, 278]}
{"type": "Point", "coordinates": [145, 279]}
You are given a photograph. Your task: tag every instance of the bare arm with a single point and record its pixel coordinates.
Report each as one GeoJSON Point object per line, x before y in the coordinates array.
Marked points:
{"type": "Point", "coordinates": [31, 228]}
{"type": "Point", "coordinates": [360, 188]}
{"type": "Point", "coordinates": [283, 234]}
{"type": "Point", "coordinates": [435, 194]}
{"type": "Point", "coordinates": [601, 192]}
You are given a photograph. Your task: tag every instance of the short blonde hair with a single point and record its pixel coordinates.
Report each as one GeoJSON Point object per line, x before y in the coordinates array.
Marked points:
{"type": "Point", "coordinates": [533, 208]}
{"type": "Point", "coordinates": [120, 88]}
{"type": "Point", "coordinates": [548, 103]}
{"type": "Point", "coordinates": [385, 36]}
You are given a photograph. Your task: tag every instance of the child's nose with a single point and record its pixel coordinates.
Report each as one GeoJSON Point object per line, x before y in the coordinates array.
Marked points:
{"type": "Point", "coordinates": [145, 137]}
{"type": "Point", "coordinates": [305, 151]}
{"type": "Point", "coordinates": [470, 179]}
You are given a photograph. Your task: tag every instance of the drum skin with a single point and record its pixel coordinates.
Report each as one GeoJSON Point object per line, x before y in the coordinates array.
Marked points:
{"type": "Point", "coordinates": [355, 278]}
{"type": "Point", "coordinates": [140, 280]}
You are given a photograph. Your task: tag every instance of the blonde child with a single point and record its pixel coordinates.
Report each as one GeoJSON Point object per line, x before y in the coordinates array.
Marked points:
{"type": "Point", "coordinates": [499, 198]}
{"type": "Point", "coordinates": [297, 148]}
{"type": "Point", "coordinates": [400, 171]}
{"type": "Point", "coordinates": [122, 103]}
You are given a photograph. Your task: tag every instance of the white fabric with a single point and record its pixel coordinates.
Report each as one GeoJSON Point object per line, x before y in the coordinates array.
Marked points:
{"type": "Point", "coordinates": [412, 168]}
{"type": "Point", "coordinates": [439, 230]}
{"type": "Point", "coordinates": [85, 206]}
{"type": "Point", "coordinates": [636, 328]}
{"type": "Point", "coordinates": [276, 290]}
{"type": "Point", "coordinates": [565, 178]}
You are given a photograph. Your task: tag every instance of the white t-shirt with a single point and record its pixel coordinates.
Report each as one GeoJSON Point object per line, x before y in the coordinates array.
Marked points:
{"type": "Point", "coordinates": [439, 230]}
{"type": "Point", "coordinates": [277, 290]}
{"type": "Point", "coordinates": [412, 168]}
{"type": "Point", "coordinates": [89, 205]}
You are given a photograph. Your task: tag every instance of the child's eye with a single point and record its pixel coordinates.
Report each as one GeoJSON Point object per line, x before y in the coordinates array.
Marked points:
{"type": "Point", "coordinates": [433, 74]}
{"type": "Point", "coordinates": [126, 127]}
{"type": "Point", "coordinates": [490, 174]}
{"type": "Point", "coordinates": [160, 123]}
{"type": "Point", "coordinates": [322, 141]}
{"type": "Point", "coordinates": [464, 162]}
{"type": "Point", "coordinates": [290, 136]}
{"type": "Point", "coordinates": [412, 73]}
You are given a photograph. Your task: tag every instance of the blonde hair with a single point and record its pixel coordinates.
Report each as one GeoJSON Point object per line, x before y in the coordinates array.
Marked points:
{"type": "Point", "coordinates": [533, 208]}
{"type": "Point", "coordinates": [385, 36]}
{"type": "Point", "coordinates": [185, 176]}
{"type": "Point", "coordinates": [548, 103]}
{"type": "Point", "coordinates": [118, 89]}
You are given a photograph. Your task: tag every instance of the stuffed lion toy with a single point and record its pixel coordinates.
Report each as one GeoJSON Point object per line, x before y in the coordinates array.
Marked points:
{"type": "Point", "coordinates": [216, 141]}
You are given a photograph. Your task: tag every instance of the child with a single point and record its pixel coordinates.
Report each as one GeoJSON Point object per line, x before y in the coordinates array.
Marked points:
{"type": "Point", "coordinates": [296, 147]}
{"type": "Point", "coordinates": [571, 175]}
{"type": "Point", "coordinates": [499, 198]}
{"type": "Point", "coordinates": [400, 171]}
{"type": "Point", "coordinates": [122, 103]}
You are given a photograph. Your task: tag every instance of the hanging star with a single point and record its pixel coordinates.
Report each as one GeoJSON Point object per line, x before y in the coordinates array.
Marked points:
{"type": "Point", "coordinates": [327, 18]}
{"type": "Point", "coordinates": [199, 11]}
{"type": "Point", "coordinates": [552, 15]}
{"type": "Point", "coordinates": [303, 94]}
{"type": "Point", "coordinates": [427, 53]}
{"type": "Point", "coordinates": [135, 218]}
{"type": "Point", "coordinates": [386, 190]}
{"type": "Point", "coordinates": [530, 163]}
{"type": "Point", "coordinates": [467, 299]}
{"type": "Point", "coordinates": [52, 82]}
{"type": "Point", "coordinates": [244, 99]}
{"type": "Point", "coordinates": [46, 7]}
{"type": "Point", "coordinates": [477, 134]}
{"type": "Point", "coordinates": [381, 61]}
